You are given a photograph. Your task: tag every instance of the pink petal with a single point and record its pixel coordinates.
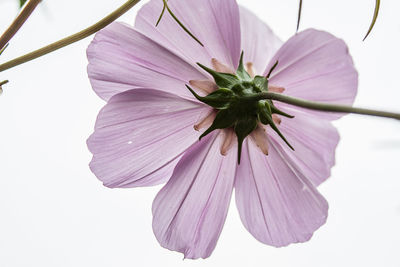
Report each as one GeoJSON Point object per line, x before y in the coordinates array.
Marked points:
{"type": "Point", "coordinates": [206, 86]}
{"type": "Point", "coordinates": [316, 65]}
{"type": "Point", "coordinates": [314, 141]}
{"type": "Point", "coordinates": [220, 67]}
{"type": "Point", "coordinates": [190, 211]}
{"type": "Point", "coordinates": [121, 59]}
{"type": "Point", "coordinates": [276, 203]}
{"type": "Point", "coordinates": [140, 135]}
{"type": "Point", "coordinates": [259, 43]}
{"type": "Point", "coordinates": [214, 22]}
{"type": "Point", "coordinates": [260, 137]}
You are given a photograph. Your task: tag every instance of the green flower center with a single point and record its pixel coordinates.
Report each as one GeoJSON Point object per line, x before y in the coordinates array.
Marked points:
{"type": "Point", "coordinates": [238, 105]}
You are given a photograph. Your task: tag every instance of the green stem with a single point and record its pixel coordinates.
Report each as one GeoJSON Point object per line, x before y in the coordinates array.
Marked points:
{"type": "Point", "coordinates": [18, 22]}
{"type": "Point", "coordinates": [70, 39]}
{"type": "Point", "coordinates": [323, 106]}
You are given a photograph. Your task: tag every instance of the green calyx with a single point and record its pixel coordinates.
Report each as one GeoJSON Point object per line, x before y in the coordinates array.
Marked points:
{"type": "Point", "coordinates": [238, 105]}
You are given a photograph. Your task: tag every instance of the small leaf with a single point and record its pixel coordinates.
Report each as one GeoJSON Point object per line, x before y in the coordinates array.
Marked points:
{"type": "Point", "coordinates": [299, 15]}
{"type": "Point", "coordinates": [376, 12]}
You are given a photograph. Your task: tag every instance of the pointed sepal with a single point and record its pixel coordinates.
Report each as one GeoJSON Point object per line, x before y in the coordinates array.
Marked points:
{"type": "Point", "coordinates": [241, 71]}
{"type": "Point", "coordinates": [224, 80]}
{"type": "Point", "coordinates": [224, 119]}
{"type": "Point", "coordinates": [280, 112]}
{"type": "Point", "coordinates": [266, 118]}
{"type": "Point", "coordinates": [219, 99]}
{"type": "Point", "coordinates": [241, 102]}
{"type": "Point", "coordinates": [243, 127]}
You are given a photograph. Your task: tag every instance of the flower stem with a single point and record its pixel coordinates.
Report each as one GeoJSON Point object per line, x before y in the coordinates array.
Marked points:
{"type": "Point", "coordinates": [324, 106]}
{"type": "Point", "coordinates": [72, 38]}
{"type": "Point", "coordinates": [18, 22]}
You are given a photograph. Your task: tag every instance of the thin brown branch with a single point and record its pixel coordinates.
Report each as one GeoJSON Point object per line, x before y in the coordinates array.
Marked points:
{"type": "Point", "coordinates": [18, 22]}
{"type": "Point", "coordinates": [72, 38]}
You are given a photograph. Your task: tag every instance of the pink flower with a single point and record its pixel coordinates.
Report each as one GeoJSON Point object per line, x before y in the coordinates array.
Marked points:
{"type": "Point", "coordinates": [145, 135]}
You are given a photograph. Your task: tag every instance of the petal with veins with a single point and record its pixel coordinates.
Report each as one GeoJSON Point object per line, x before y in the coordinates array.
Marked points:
{"type": "Point", "coordinates": [206, 119]}
{"type": "Point", "coordinates": [314, 141]}
{"type": "Point", "coordinates": [139, 136]}
{"type": "Point", "coordinates": [315, 65]}
{"type": "Point", "coordinates": [121, 59]}
{"type": "Point", "coordinates": [276, 203]}
{"type": "Point", "coordinates": [215, 23]}
{"type": "Point", "coordinates": [259, 43]}
{"type": "Point", "coordinates": [190, 210]}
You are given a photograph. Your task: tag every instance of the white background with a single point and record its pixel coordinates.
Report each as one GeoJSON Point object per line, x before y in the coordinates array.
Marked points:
{"type": "Point", "coordinates": [54, 212]}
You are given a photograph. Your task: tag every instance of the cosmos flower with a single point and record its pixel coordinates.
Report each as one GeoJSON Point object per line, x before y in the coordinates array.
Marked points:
{"type": "Point", "coordinates": [148, 132]}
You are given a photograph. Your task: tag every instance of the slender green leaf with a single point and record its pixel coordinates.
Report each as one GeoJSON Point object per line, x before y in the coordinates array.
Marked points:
{"type": "Point", "coordinates": [299, 14]}
{"type": "Point", "coordinates": [376, 12]}
{"type": "Point", "coordinates": [166, 7]}
{"type": "Point", "coordinates": [161, 15]}
{"type": "Point", "coordinates": [272, 69]}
